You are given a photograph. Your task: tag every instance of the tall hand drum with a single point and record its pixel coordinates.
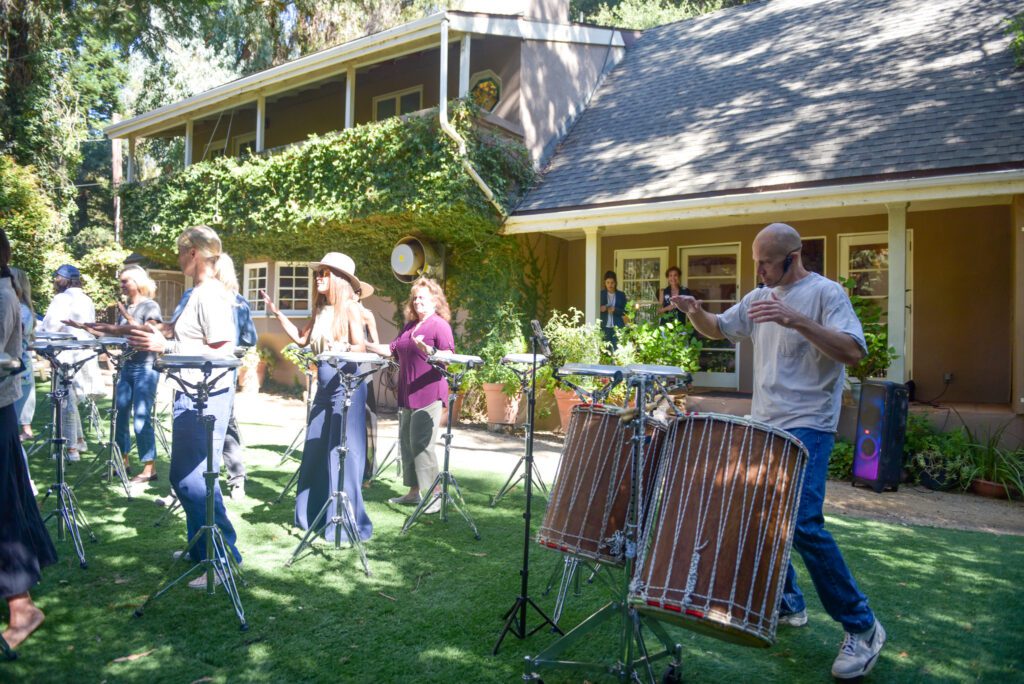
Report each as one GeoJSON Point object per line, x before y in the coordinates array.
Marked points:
{"type": "Point", "coordinates": [714, 554]}
{"type": "Point", "coordinates": [586, 515]}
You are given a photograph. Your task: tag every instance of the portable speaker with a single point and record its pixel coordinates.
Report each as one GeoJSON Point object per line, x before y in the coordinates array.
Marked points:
{"type": "Point", "coordinates": [881, 427]}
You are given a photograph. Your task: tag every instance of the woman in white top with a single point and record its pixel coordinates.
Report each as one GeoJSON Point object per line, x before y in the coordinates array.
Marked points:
{"type": "Point", "coordinates": [204, 327]}
{"type": "Point", "coordinates": [336, 326]}
{"type": "Point", "coordinates": [26, 406]}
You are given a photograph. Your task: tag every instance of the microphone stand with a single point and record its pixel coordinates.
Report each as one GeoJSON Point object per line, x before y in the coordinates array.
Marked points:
{"type": "Point", "coordinates": [515, 617]}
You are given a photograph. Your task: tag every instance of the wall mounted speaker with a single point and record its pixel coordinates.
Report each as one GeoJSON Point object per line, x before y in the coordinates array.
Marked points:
{"type": "Point", "coordinates": [413, 257]}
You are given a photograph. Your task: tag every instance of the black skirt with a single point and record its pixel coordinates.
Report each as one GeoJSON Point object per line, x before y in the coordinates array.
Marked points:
{"type": "Point", "coordinates": [25, 545]}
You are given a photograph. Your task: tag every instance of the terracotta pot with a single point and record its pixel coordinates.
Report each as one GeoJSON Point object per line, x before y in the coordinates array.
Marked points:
{"type": "Point", "coordinates": [501, 408]}
{"type": "Point", "coordinates": [250, 380]}
{"type": "Point", "coordinates": [994, 490]}
{"type": "Point", "coordinates": [566, 399]}
{"type": "Point", "coordinates": [457, 407]}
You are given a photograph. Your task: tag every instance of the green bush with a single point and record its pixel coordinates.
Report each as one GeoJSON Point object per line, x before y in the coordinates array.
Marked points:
{"type": "Point", "coordinates": [937, 459]}
{"type": "Point", "coordinates": [670, 344]}
{"type": "Point", "coordinates": [840, 463]}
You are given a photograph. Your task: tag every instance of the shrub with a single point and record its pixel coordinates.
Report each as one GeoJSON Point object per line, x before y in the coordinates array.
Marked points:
{"type": "Point", "coordinates": [840, 463]}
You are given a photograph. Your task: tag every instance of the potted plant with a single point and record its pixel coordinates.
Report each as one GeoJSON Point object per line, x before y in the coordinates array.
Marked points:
{"type": "Point", "coordinates": [572, 340]}
{"type": "Point", "coordinates": [255, 363]}
{"type": "Point", "coordinates": [499, 383]}
{"type": "Point", "coordinates": [998, 472]}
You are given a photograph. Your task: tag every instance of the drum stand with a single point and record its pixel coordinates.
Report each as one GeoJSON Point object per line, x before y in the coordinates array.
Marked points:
{"type": "Point", "coordinates": [441, 488]}
{"type": "Point", "coordinates": [299, 439]}
{"type": "Point", "coordinates": [219, 563]}
{"type": "Point", "coordinates": [524, 376]}
{"type": "Point", "coordinates": [391, 457]}
{"type": "Point", "coordinates": [344, 517]}
{"type": "Point", "coordinates": [69, 518]}
{"type": "Point", "coordinates": [115, 461]}
{"type": "Point", "coordinates": [515, 617]}
{"type": "Point", "coordinates": [633, 662]}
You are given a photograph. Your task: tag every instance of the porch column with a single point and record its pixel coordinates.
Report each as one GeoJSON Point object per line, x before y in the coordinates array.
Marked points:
{"type": "Point", "coordinates": [1017, 378]}
{"type": "Point", "coordinates": [464, 45]}
{"type": "Point", "coordinates": [261, 123]}
{"type": "Point", "coordinates": [350, 97]}
{"type": "Point", "coordinates": [130, 171]}
{"type": "Point", "coordinates": [897, 313]}
{"type": "Point", "coordinates": [592, 272]}
{"type": "Point", "coordinates": [115, 179]}
{"type": "Point", "coordinates": [188, 142]}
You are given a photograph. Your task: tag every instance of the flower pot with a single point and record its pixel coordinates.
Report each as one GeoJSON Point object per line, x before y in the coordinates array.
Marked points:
{"type": "Point", "coordinates": [251, 379]}
{"type": "Point", "coordinates": [501, 408]}
{"type": "Point", "coordinates": [456, 407]}
{"type": "Point", "coordinates": [565, 399]}
{"type": "Point", "coordinates": [993, 490]}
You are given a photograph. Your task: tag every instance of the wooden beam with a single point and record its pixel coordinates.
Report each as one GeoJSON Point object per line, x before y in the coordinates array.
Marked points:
{"type": "Point", "coordinates": [464, 47]}
{"type": "Point", "coordinates": [261, 123]}
{"type": "Point", "coordinates": [897, 314]}
{"type": "Point", "coordinates": [592, 272]}
{"type": "Point", "coordinates": [189, 137]}
{"type": "Point", "coordinates": [350, 96]}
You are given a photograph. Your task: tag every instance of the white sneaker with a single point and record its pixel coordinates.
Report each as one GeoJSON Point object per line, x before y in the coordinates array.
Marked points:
{"type": "Point", "coordinates": [434, 507]}
{"type": "Point", "coordinates": [73, 456]}
{"type": "Point", "coordinates": [859, 653]}
{"type": "Point", "coordinates": [797, 619]}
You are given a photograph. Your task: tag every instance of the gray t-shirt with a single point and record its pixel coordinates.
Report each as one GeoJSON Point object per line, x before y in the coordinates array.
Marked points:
{"type": "Point", "coordinates": [795, 384]}
{"type": "Point", "coordinates": [145, 310]}
{"type": "Point", "coordinates": [208, 318]}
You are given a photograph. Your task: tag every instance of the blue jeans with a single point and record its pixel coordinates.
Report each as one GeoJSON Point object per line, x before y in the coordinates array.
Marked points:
{"type": "Point", "coordinates": [836, 588]}
{"type": "Point", "coordinates": [134, 398]}
{"type": "Point", "coordinates": [188, 463]}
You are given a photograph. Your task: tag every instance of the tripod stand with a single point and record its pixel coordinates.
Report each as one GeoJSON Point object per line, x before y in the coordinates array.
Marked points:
{"type": "Point", "coordinates": [300, 438]}
{"type": "Point", "coordinates": [67, 513]}
{"type": "Point", "coordinates": [218, 563]}
{"type": "Point", "coordinates": [344, 517]}
{"type": "Point", "coordinates": [445, 480]}
{"type": "Point", "coordinates": [515, 617]}
{"type": "Point", "coordinates": [633, 662]}
{"type": "Point", "coordinates": [114, 463]}
{"type": "Point", "coordinates": [524, 372]}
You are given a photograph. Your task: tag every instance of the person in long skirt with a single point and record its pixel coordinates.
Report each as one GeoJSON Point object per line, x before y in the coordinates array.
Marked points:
{"type": "Point", "coordinates": [25, 545]}
{"type": "Point", "coordinates": [336, 326]}
{"type": "Point", "coordinates": [204, 327]}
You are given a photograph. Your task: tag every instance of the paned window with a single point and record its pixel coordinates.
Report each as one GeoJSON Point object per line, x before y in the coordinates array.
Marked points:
{"type": "Point", "coordinates": [640, 273]}
{"type": "Point", "coordinates": [294, 288]}
{"type": "Point", "coordinates": [397, 103]}
{"type": "Point", "coordinates": [254, 280]}
{"type": "Point", "coordinates": [712, 273]}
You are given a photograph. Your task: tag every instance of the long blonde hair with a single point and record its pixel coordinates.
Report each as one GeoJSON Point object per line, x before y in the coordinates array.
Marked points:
{"type": "Point", "coordinates": [339, 297]}
{"type": "Point", "coordinates": [225, 272]}
{"type": "Point", "coordinates": [23, 288]}
{"type": "Point", "coordinates": [440, 301]}
{"type": "Point", "coordinates": [146, 285]}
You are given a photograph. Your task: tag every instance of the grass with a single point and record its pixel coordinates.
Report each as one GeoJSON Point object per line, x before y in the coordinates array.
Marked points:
{"type": "Point", "coordinates": [431, 612]}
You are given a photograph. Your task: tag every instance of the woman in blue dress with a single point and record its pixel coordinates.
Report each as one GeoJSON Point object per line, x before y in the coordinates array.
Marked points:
{"type": "Point", "coordinates": [336, 326]}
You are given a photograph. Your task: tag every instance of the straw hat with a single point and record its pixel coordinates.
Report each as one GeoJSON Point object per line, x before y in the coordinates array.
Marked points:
{"type": "Point", "coordinates": [365, 290]}
{"type": "Point", "coordinates": [341, 264]}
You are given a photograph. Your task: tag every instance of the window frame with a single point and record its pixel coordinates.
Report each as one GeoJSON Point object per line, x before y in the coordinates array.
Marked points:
{"type": "Point", "coordinates": [278, 265]}
{"type": "Point", "coordinates": [396, 95]}
{"type": "Point", "coordinates": [717, 379]}
{"type": "Point", "coordinates": [246, 269]}
{"type": "Point", "coordinates": [660, 253]}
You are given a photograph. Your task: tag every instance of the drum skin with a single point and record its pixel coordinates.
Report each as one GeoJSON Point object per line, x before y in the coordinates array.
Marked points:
{"type": "Point", "coordinates": [589, 500]}
{"type": "Point", "coordinates": [715, 552]}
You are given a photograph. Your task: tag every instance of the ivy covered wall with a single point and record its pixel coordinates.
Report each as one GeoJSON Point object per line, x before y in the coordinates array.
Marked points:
{"type": "Point", "coordinates": [357, 191]}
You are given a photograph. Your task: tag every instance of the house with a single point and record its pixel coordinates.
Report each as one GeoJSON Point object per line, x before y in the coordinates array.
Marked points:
{"type": "Point", "coordinates": [890, 133]}
{"type": "Point", "coordinates": [529, 68]}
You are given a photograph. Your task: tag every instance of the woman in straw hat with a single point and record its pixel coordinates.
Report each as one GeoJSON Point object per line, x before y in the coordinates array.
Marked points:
{"type": "Point", "coordinates": [335, 326]}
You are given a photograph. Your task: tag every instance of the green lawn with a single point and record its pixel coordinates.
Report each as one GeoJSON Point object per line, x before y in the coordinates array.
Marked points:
{"type": "Point", "coordinates": [431, 611]}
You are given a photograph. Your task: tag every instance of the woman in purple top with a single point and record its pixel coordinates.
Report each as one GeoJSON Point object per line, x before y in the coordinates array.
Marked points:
{"type": "Point", "coordinates": [422, 389]}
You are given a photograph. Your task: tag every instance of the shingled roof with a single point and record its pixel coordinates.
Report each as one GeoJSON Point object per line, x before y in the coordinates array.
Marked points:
{"type": "Point", "coordinates": [787, 93]}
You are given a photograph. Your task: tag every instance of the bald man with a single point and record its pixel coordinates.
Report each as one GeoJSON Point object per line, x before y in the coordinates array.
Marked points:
{"type": "Point", "coordinates": [804, 333]}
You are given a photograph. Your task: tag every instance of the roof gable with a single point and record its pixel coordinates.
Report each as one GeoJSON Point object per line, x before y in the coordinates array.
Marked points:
{"type": "Point", "coordinates": [794, 92]}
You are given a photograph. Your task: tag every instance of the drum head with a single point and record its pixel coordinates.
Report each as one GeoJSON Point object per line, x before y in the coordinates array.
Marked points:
{"type": "Point", "coordinates": [175, 361]}
{"type": "Point", "coordinates": [351, 357]}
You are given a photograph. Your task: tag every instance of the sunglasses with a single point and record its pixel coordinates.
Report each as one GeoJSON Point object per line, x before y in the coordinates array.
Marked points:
{"type": "Point", "coordinates": [323, 273]}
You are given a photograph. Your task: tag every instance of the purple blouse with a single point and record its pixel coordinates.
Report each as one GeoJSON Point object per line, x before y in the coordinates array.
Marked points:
{"type": "Point", "coordinates": [419, 383]}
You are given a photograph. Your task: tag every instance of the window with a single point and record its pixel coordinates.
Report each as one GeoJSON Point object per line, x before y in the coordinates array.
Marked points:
{"type": "Point", "coordinates": [485, 90]}
{"type": "Point", "coordinates": [712, 273]}
{"type": "Point", "coordinates": [864, 257]}
{"type": "Point", "coordinates": [244, 145]}
{"type": "Point", "coordinates": [254, 279]}
{"type": "Point", "coordinates": [397, 103]}
{"type": "Point", "coordinates": [294, 288]}
{"type": "Point", "coordinates": [640, 275]}
{"type": "Point", "coordinates": [169, 289]}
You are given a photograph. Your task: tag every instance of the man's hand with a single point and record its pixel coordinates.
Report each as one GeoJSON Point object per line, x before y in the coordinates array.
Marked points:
{"type": "Point", "coordinates": [147, 339]}
{"type": "Point", "coordinates": [686, 304]}
{"type": "Point", "coordinates": [773, 310]}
